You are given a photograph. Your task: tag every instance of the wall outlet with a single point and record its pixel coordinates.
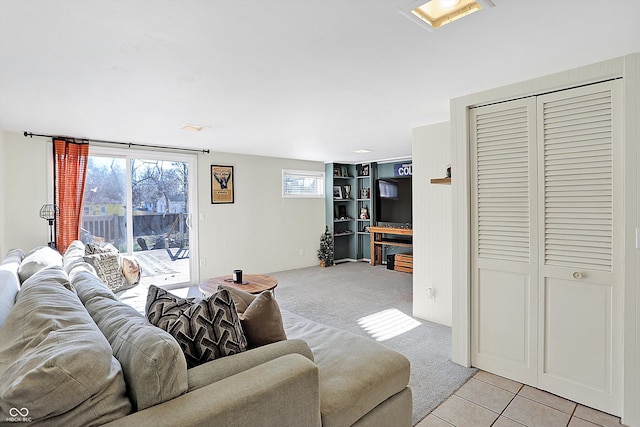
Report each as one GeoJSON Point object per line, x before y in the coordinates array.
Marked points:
{"type": "Point", "coordinates": [203, 262]}
{"type": "Point", "coordinates": [301, 252]}
{"type": "Point", "coordinates": [431, 294]}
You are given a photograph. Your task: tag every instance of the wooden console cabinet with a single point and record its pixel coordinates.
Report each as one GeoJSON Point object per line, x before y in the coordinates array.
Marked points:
{"type": "Point", "coordinates": [378, 240]}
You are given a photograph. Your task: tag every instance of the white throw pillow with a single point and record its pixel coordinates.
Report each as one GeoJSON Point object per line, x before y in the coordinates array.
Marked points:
{"type": "Point", "coordinates": [9, 282]}
{"type": "Point", "coordinates": [37, 259]}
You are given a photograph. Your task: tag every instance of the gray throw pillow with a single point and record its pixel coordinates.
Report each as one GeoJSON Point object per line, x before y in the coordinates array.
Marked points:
{"type": "Point", "coordinates": [92, 249]}
{"type": "Point", "coordinates": [109, 270]}
{"type": "Point", "coordinates": [205, 329]}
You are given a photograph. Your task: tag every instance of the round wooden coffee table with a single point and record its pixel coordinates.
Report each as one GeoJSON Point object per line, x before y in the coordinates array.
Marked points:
{"type": "Point", "coordinates": [251, 283]}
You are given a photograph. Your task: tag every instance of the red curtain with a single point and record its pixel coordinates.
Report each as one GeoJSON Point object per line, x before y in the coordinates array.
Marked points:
{"type": "Point", "coordinates": [70, 162]}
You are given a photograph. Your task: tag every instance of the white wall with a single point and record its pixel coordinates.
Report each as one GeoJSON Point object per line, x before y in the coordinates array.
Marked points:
{"type": "Point", "coordinates": [432, 224]}
{"type": "Point", "coordinates": [3, 250]}
{"type": "Point", "coordinates": [260, 233]}
{"type": "Point", "coordinates": [25, 190]}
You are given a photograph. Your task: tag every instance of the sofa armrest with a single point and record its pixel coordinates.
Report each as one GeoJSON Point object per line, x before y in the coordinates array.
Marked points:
{"type": "Point", "coordinates": [216, 370]}
{"type": "Point", "coordinates": [281, 392]}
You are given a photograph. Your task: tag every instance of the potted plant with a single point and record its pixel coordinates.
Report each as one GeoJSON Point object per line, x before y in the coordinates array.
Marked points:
{"type": "Point", "coordinates": [325, 253]}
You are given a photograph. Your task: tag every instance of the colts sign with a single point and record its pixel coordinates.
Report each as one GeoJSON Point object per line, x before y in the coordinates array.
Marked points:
{"type": "Point", "coordinates": [402, 169]}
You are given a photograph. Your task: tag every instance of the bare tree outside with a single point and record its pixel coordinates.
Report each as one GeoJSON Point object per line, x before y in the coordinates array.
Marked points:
{"type": "Point", "coordinates": [159, 202]}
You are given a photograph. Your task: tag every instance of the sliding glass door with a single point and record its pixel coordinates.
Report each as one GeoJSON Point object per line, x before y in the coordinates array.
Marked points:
{"type": "Point", "coordinates": [141, 202]}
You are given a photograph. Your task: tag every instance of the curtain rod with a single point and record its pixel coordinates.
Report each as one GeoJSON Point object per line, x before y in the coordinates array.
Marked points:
{"type": "Point", "coordinates": [129, 144]}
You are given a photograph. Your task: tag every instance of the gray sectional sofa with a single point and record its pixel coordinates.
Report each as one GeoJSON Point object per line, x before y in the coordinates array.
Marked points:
{"type": "Point", "coordinates": [72, 353]}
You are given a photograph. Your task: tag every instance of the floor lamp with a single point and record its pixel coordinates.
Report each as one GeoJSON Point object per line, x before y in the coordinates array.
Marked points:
{"type": "Point", "coordinates": [49, 212]}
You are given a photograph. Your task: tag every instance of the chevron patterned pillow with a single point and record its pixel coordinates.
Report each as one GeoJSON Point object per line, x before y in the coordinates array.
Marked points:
{"type": "Point", "coordinates": [205, 329]}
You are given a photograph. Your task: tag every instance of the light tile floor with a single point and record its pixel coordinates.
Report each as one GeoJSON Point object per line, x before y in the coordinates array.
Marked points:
{"type": "Point", "coordinates": [488, 400]}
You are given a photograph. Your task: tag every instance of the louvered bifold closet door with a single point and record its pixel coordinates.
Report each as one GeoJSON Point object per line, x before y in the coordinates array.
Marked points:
{"type": "Point", "coordinates": [579, 208]}
{"type": "Point", "coordinates": [504, 261]}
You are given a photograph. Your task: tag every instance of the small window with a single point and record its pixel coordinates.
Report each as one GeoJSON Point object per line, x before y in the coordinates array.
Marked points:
{"type": "Point", "coordinates": [302, 184]}
{"type": "Point", "coordinates": [103, 210]}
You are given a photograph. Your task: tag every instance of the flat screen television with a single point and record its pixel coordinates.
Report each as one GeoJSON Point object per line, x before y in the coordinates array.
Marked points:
{"type": "Point", "coordinates": [393, 202]}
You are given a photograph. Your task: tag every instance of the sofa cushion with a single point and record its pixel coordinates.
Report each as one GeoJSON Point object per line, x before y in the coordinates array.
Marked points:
{"type": "Point", "coordinates": [37, 259]}
{"type": "Point", "coordinates": [356, 373]}
{"type": "Point", "coordinates": [259, 315]}
{"type": "Point", "coordinates": [9, 282]}
{"type": "Point", "coordinates": [54, 360]}
{"type": "Point", "coordinates": [205, 329]}
{"type": "Point", "coordinates": [87, 284]}
{"type": "Point", "coordinates": [225, 367]}
{"type": "Point", "coordinates": [154, 366]}
{"type": "Point", "coordinates": [73, 255]}
{"type": "Point", "coordinates": [109, 270]}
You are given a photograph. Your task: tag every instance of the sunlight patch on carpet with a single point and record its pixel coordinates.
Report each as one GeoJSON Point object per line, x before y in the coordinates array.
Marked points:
{"type": "Point", "coordinates": [387, 324]}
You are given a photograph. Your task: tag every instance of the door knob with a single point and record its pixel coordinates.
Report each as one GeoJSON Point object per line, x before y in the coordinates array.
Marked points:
{"type": "Point", "coordinates": [577, 275]}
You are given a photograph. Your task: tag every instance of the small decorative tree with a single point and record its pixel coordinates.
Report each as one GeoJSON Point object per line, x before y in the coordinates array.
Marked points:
{"type": "Point", "coordinates": [325, 253]}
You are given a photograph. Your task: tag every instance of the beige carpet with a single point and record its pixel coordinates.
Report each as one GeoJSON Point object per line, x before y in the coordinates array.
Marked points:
{"type": "Point", "coordinates": [352, 296]}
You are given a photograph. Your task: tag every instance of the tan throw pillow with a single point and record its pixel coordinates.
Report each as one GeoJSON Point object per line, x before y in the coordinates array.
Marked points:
{"type": "Point", "coordinates": [131, 270]}
{"type": "Point", "coordinates": [242, 299]}
{"type": "Point", "coordinates": [262, 321]}
{"type": "Point", "coordinates": [260, 316]}
{"type": "Point", "coordinates": [107, 266]}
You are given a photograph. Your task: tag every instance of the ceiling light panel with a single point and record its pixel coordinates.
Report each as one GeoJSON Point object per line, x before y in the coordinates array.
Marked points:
{"type": "Point", "coordinates": [194, 128]}
{"type": "Point", "coordinates": [436, 13]}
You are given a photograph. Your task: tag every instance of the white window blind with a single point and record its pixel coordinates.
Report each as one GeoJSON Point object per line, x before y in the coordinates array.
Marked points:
{"type": "Point", "coordinates": [302, 184]}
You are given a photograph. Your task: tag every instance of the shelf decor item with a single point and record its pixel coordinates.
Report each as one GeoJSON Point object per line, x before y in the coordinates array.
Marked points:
{"type": "Point", "coordinates": [325, 253]}
{"type": "Point", "coordinates": [347, 191]}
{"type": "Point", "coordinates": [364, 213]}
{"type": "Point", "coordinates": [337, 192]}
{"type": "Point", "coordinates": [222, 187]}
{"type": "Point", "coordinates": [342, 212]}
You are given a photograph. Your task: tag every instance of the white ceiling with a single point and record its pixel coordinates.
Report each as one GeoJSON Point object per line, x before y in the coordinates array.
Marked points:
{"type": "Point", "coordinates": [305, 79]}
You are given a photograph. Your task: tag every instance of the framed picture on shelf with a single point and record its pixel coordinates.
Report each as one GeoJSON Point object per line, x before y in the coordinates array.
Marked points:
{"type": "Point", "coordinates": [342, 211]}
{"type": "Point", "coordinates": [336, 171]}
{"type": "Point", "coordinates": [365, 170]}
{"type": "Point", "coordinates": [337, 192]}
{"type": "Point", "coordinates": [344, 172]}
{"type": "Point", "coordinates": [222, 188]}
